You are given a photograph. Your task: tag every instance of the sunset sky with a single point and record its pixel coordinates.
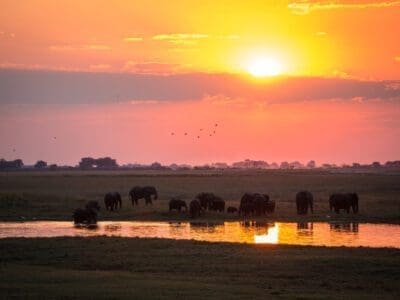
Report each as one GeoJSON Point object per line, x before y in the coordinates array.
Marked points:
{"type": "Point", "coordinates": [275, 80]}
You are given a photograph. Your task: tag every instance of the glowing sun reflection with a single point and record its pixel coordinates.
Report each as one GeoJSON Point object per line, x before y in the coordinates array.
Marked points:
{"type": "Point", "coordinates": [270, 238]}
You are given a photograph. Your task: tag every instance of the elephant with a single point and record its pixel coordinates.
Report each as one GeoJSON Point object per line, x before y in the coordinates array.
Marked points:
{"type": "Point", "coordinates": [217, 204]}
{"type": "Point", "coordinates": [111, 200]}
{"type": "Point", "coordinates": [246, 209]}
{"type": "Point", "coordinates": [87, 215]}
{"type": "Point", "coordinates": [246, 206]}
{"type": "Point", "coordinates": [270, 205]}
{"type": "Point", "coordinates": [344, 201]}
{"type": "Point", "coordinates": [177, 204]}
{"type": "Point", "coordinates": [304, 200]}
{"type": "Point", "coordinates": [205, 200]}
{"type": "Point", "coordinates": [231, 210]}
{"type": "Point", "coordinates": [194, 208]}
{"type": "Point", "coordinates": [145, 192]}
{"type": "Point", "coordinates": [256, 204]}
{"type": "Point", "coordinates": [259, 204]}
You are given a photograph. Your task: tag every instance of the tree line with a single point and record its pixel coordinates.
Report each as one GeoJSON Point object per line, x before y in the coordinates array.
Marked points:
{"type": "Point", "coordinates": [108, 163]}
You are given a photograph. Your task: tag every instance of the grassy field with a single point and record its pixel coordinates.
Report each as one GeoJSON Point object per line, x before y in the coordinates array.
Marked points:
{"type": "Point", "coordinates": [54, 195]}
{"type": "Point", "coordinates": [117, 268]}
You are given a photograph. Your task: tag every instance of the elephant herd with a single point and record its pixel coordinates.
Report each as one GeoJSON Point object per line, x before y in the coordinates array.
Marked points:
{"type": "Point", "coordinates": [113, 201]}
{"type": "Point", "coordinates": [338, 201]}
{"type": "Point", "coordinates": [251, 204]}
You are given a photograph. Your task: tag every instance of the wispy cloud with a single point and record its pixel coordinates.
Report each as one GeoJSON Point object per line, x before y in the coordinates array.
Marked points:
{"type": "Point", "coordinates": [133, 39]}
{"type": "Point", "coordinates": [100, 67]}
{"type": "Point", "coordinates": [158, 81]}
{"type": "Point", "coordinates": [180, 36]}
{"type": "Point", "coordinates": [192, 39]}
{"type": "Point", "coordinates": [302, 7]}
{"type": "Point", "coordinates": [154, 68]}
{"type": "Point", "coordinates": [91, 47]}
{"type": "Point", "coordinates": [6, 35]}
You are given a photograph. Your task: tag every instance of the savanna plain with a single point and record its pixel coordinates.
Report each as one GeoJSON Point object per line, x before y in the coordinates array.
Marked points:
{"type": "Point", "coordinates": [132, 268]}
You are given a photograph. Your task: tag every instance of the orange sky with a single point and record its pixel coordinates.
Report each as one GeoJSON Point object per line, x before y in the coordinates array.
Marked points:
{"type": "Point", "coordinates": [355, 119]}
{"type": "Point", "coordinates": [358, 38]}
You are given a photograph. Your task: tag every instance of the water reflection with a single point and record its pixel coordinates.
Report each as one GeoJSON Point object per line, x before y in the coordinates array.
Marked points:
{"type": "Point", "coordinates": [271, 237]}
{"type": "Point", "coordinates": [344, 227]}
{"type": "Point", "coordinates": [305, 228]}
{"type": "Point", "coordinates": [113, 227]}
{"type": "Point", "coordinates": [349, 234]}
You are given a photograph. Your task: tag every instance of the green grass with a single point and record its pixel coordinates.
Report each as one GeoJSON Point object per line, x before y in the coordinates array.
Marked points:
{"type": "Point", "coordinates": [54, 195]}
{"type": "Point", "coordinates": [120, 268]}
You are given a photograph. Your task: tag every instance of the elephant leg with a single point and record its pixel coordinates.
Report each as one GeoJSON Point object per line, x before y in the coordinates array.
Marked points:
{"type": "Point", "coordinates": [336, 210]}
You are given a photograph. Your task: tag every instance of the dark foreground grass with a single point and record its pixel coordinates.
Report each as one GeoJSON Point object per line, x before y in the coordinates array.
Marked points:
{"type": "Point", "coordinates": [45, 195]}
{"type": "Point", "coordinates": [120, 268]}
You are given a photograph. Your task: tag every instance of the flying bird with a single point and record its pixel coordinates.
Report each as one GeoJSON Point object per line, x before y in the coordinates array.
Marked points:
{"type": "Point", "coordinates": [185, 133]}
{"type": "Point", "coordinates": [172, 133]}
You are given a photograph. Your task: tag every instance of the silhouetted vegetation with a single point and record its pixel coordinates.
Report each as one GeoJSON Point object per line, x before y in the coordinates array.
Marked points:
{"type": "Point", "coordinates": [108, 163]}
{"type": "Point", "coordinates": [11, 165]}
{"type": "Point", "coordinates": [40, 164]}
{"type": "Point", "coordinates": [98, 163]}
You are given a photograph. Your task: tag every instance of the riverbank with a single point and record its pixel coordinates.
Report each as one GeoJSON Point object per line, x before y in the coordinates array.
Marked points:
{"type": "Point", "coordinates": [123, 268]}
{"type": "Point", "coordinates": [54, 195]}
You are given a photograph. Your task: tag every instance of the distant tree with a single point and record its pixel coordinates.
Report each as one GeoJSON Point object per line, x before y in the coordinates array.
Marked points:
{"type": "Point", "coordinates": [296, 165]}
{"type": "Point", "coordinates": [326, 166]}
{"type": "Point", "coordinates": [106, 163]}
{"type": "Point", "coordinates": [356, 165]}
{"type": "Point", "coordinates": [311, 164]}
{"type": "Point", "coordinates": [53, 167]}
{"type": "Point", "coordinates": [393, 164]}
{"type": "Point", "coordinates": [40, 164]}
{"type": "Point", "coordinates": [11, 165]}
{"type": "Point", "coordinates": [274, 165]}
{"type": "Point", "coordinates": [376, 164]}
{"type": "Point", "coordinates": [156, 166]}
{"type": "Point", "coordinates": [87, 163]}
{"type": "Point", "coordinates": [284, 165]}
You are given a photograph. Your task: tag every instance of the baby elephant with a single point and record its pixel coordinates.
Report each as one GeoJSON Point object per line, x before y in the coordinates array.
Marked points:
{"type": "Point", "coordinates": [232, 210]}
{"type": "Point", "coordinates": [88, 215]}
{"type": "Point", "coordinates": [177, 204]}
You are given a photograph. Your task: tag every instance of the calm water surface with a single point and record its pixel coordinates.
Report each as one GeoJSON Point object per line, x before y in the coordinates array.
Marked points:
{"type": "Point", "coordinates": [312, 234]}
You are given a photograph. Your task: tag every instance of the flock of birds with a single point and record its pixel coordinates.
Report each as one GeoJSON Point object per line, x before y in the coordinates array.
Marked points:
{"type": "Point", "coordinates": [211, 133]}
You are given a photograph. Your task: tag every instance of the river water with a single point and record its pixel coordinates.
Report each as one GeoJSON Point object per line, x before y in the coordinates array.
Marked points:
{"type": "Point", "coordinates": [311, 234]}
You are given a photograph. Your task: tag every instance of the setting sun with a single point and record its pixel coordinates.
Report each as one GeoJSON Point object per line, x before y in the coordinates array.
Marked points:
{"type": "Point", "coordinates": [263, 67]}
